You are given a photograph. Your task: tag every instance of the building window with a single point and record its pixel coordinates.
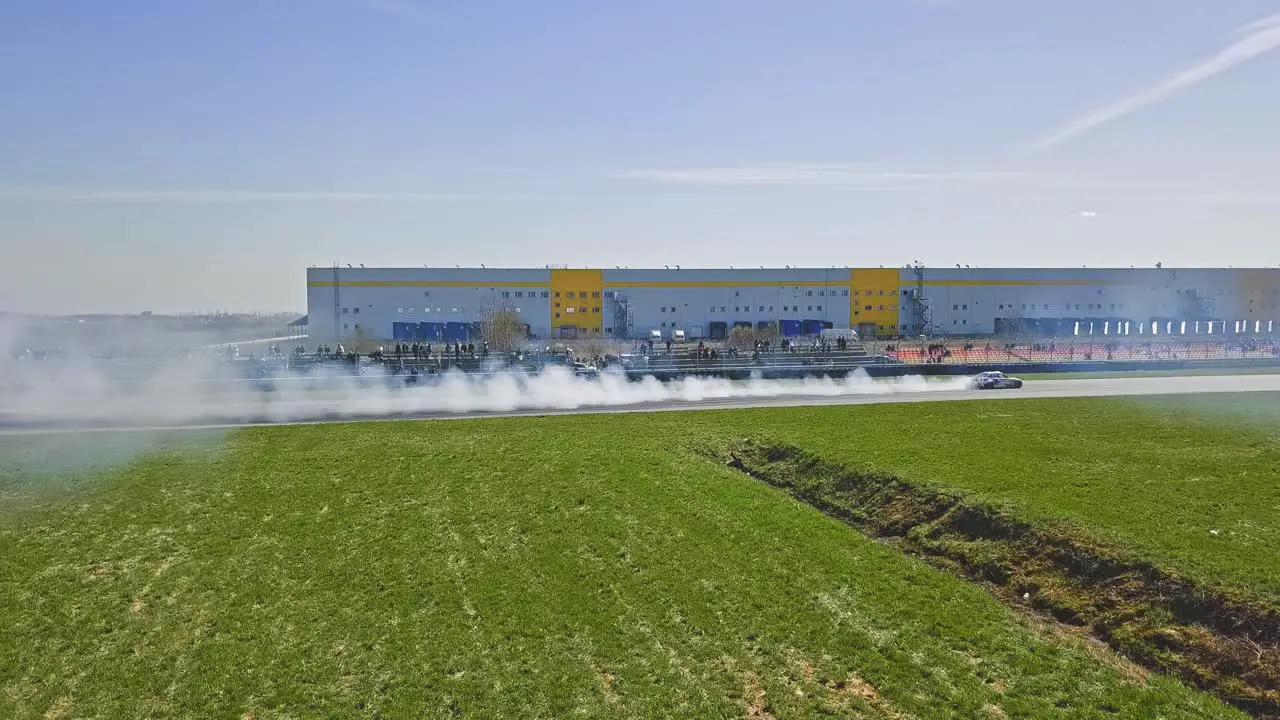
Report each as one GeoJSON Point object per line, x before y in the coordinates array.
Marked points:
{"type": "Point", "coordinates": [506, 294]}
{"type": "Point", "coordinates": [819, 308]}
{"type": "Point", "coordinates": [808, 293]}
{"type": "Point", "coordinates": [844, 293]}
{"type": "Point", "coordinates": [761, 308]}
{"type": "Point", "coordinates": [557, 304]}
{"type": "Point", "coordinates": [454, 310]}
{"type": "Point", "coordinates": [557, 315]}
{"type": "Point", "coordinates": [795, 308]}
{"type": "Point", "coordinates": [955, 307]}
{"type": "Point", "coordinates": [517, 311]}
{"type": "Point", "coordinates": [881, 307]}
{"type": "Point", "coordinates": [400, 310]}
{"type": "Point", "coordinates": [519, 293]}
{"type": "Point", "coordinates": [346, 310]}
{"type": "Point", "coordinates": [722, 309]}
{"type": "Point", "coordinates": [426, 293]}
{"type": "Point", "coordinates": [568, 310]}
{"type": "Point", "coordinates": [425, 309]}
{"type": "Point", "coordinates": [735, 293]}
{"type": "Point", "coordinates": [810, 309]}
{"type": "Point", "coordinates": [966, 307]}
{"type": "Point", "coordinates": [608, 294]}
{"type": "Point", "coordinates": [544, 294]}
{"type": "Point", "coordinates": [595, 310]}
{"type": "Point", "coordinates": [711, 309]}
{"type": "Point", "coordinates": [557, 294]}
{"type": "Point", "coordinates": [582, 309]}
{"type": "Point", "coordinates": [595, 294]}
{"type": "Point", "coordinates": [822, 293]}
{"type": "Point", "coordinates": [770, 308]}
{"type": "Point", "coordinates": [570, 294]}
{"type": "Point", "coordinates": [868, 308]}
{"type": "Point", "coordinates": [410, 311]}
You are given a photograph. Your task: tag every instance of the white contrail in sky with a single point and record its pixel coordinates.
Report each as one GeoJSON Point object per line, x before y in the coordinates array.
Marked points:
{"type": "Point", "coordinates": [1255, 39]}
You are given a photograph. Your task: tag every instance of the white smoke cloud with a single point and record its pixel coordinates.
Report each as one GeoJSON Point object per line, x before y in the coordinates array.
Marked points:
{"type": "Point", "coordinates": [82, 391]}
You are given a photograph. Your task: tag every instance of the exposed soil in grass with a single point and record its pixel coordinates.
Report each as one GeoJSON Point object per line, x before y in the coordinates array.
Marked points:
{"type": "Point", "coordinates": [1212, 638]}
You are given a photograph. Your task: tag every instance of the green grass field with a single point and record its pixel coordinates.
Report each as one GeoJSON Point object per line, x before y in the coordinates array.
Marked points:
{"type": "Point", "coordinates": [1144, 373]}
{"type": "Point", "coordinates": [601, 566]}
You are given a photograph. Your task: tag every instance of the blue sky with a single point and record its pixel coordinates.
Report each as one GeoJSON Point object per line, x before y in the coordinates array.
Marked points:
{"type": "Point", "coordinates": [199, 154]}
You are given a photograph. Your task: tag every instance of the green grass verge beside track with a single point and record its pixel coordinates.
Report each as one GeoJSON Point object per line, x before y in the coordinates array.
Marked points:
{"type": "Point", "coordinates": [1100, 375]}
{"type": "Point", "coordinates": [601, 566]}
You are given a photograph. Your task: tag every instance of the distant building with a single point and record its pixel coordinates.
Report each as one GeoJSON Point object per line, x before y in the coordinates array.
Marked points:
{"type": "Point", "coordinates": [445, 304]}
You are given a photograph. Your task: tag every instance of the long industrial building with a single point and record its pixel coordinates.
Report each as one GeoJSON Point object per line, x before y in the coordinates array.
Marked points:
{"type": "Point", "coordinates": [557, 302]}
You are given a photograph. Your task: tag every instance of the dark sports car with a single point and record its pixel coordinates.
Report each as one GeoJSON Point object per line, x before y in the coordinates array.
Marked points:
{"type": "Point", "coordinates": [994, 380]}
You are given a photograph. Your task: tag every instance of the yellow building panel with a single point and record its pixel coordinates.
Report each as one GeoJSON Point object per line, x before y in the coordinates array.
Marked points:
{"type": "Point", "coordinates": [1256, 293]}
{"type": "Point", "coordinates": [873, 300]}
{"type": "Point", "coordinates": [577, 302]}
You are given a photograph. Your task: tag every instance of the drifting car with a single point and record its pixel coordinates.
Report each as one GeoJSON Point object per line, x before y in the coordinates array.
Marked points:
{"type": "Point", "coordinates": [582, 369]}
{"type": "Point", "coordinates": [994, 380]}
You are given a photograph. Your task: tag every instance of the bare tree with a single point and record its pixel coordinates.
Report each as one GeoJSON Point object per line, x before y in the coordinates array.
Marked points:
{"type": "Point", "coordinates": [591, 347]}
{"type": "Point", "coordinates": [502, 327]}
{"type": "Point", "coordinates": [770, 333]}
{"type": "Point", "coordinates": [742, 337]}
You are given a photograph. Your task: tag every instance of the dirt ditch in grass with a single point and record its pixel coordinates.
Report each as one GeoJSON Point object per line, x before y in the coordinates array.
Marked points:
{"type": "Point", "coordinates": [1211, 638]}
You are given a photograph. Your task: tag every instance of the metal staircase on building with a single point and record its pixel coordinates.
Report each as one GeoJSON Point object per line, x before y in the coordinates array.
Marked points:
{"type": "Point", "coordinates": [623, 316]}
{"type": "Point", "coordinates": [921, 311]}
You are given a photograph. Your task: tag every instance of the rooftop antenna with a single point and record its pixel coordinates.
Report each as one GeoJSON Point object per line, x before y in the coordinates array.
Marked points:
{"type": "Point", "coordinates": [481, 266]}
{"type": "Point", "coordinates": [667, 267]}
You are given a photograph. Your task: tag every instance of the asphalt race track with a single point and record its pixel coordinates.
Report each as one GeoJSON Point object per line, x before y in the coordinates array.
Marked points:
{"type": "Point", "coordinates": [299, 412]}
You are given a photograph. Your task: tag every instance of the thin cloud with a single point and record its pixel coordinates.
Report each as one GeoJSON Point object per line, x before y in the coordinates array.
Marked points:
{"type": "Point", "coordinates": [399, 8]}
{"type": "Point", "coordinates": [873, 178]}
{"type": "Point", "coordinates": [216, 196]}
{"type": "Point", "coordinates": [829, 174]}
{"type": "Point", "coordinates": [1254, 39]}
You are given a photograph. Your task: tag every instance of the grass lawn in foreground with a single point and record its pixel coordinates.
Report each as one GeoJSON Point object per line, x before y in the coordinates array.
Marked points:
{"type": "Point", "coordinates": [574, 566]}
{"type": "Point", "coordinates": [1155, 474]}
